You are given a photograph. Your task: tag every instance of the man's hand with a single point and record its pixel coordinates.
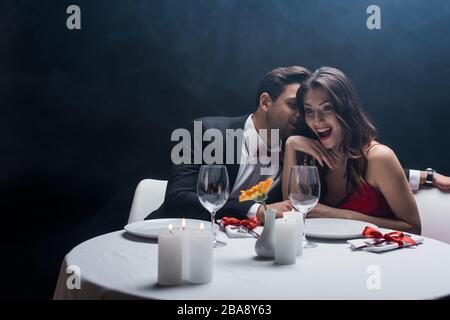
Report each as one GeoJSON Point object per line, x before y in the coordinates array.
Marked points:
{"type": "Point", "coordinates": [280, 207]}
{"type": "Point", "coordinates": [313, 148]}
{"type": "Point", "coordinates": [442, 182]}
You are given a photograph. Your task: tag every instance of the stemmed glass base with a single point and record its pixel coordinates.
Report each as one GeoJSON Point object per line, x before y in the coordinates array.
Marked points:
{"type": "Point", "coordinates": [306, 243]}
{"type": "Point", "coordinates": [216, 243]}
{"type": "Point", "coordinates": [219, 244]}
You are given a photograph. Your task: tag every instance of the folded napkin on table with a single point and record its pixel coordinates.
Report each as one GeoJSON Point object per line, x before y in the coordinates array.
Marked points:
{"type": "Point", "coordinates": [235, 228]}
{"type": "Point", "coordinates": [378, 242]}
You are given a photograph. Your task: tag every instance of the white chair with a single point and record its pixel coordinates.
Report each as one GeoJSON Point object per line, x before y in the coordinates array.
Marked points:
{"type": "Point", "coordinates": [434, 209]}
{"type": "Point", "coordinates": [149, 195]}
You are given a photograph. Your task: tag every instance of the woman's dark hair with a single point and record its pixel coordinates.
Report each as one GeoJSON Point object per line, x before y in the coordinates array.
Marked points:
{"type": "Point", "coordinates": [357, 129]}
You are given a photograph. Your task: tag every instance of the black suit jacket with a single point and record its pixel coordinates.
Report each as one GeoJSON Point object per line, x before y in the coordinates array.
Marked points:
{"type": "Point", "coordinates": [181, 200]}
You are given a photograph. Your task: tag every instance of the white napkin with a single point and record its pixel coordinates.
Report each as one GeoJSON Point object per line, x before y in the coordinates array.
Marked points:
{"type": "Point", "coordinates": [375, 245]}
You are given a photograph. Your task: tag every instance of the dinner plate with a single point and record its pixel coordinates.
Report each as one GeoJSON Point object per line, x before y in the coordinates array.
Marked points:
{"type": "Point", "coordinates": [335, 228]}
{"type": "Point", "coordinates": [151, 228]}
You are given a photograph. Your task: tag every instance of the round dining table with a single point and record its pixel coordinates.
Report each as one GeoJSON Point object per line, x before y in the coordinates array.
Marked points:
{"type": "Point", "coordinates": [119, 265]}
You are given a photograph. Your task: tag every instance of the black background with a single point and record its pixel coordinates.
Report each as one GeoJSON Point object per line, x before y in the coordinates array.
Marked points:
{"type": "Point", "coordinates": [85, 115]}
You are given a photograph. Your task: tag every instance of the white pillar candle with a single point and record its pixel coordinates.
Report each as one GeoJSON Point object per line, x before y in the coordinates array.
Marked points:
{"type": "Point", "coordinates": [201, 256]}
{"type": "Point", "coordinates": [170, 257]}
{"type": "Point", "coordinates": [298, 218]}
{"type": "Point", "coordinates": [185, 238]}
{"type": "Point", "coordinates": [285, 241]}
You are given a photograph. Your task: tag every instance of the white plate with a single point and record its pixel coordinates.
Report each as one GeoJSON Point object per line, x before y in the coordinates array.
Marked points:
{"type": "Point", "coordinates": [335, 228]}
{"type": "Point", "coordinates": [151, 228]}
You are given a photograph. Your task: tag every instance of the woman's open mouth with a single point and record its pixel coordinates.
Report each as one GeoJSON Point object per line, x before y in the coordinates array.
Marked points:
{"type": "Point", "coordinates": [324, 133]}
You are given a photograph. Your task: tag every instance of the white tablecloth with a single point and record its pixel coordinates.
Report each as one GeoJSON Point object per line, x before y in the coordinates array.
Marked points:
{"type": "Point", "coordinates": [119, 265]}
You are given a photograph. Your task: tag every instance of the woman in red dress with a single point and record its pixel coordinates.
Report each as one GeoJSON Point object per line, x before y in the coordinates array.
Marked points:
{"type": "Point", "coordinates": [361, 178]}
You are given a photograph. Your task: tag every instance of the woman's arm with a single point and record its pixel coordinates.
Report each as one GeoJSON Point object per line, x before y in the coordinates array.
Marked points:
{"type": "Point", "coordinates": [306, 145]}
{"type": "Point", "coordinates": [385, 171]}
{"type": "Point", "coordinates": [290, 160]}
{"type": "Point", "coordinates": [324, 211]}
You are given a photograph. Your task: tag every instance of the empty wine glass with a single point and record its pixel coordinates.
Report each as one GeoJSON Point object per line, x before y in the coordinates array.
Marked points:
{"type": "Point", "coordinates": [213, 190]}
{"type": "Point", "coordinates": [304, 192]}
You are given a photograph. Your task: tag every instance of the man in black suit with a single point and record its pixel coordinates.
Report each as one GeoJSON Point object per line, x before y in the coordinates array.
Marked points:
{"type": "Point", "coordinates": [275, 111]}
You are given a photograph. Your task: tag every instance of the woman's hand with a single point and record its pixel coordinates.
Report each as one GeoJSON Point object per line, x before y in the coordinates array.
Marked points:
{"type": "Point", "coordinates": [313, 148]}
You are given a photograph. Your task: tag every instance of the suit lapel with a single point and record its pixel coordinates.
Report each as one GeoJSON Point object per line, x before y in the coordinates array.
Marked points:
{"type": "Point", "coordinates": [233, 169]}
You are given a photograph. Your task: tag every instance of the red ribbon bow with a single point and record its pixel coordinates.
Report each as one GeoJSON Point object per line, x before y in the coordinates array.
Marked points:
{"type": "Point", "coordinates": [247, 223]}
{"type": "Point", "coordinates": [395, 236]}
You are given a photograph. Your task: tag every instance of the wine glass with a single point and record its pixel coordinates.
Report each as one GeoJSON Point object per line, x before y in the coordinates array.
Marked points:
{"type": "Point", "coordinates": [213, 190]}
{"type": "Point", "coordinates": [304, 192]}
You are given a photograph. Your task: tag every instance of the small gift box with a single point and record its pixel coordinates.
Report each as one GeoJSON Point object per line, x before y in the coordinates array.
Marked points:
{"type": "Point", "coordinates": [377, 242]}
{"type": "Point", "coordinates": [235, 228]}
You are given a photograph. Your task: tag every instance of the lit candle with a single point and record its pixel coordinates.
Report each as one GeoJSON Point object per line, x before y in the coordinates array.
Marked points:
{"type": "Point", "coordinates": [299, 221]}
{"type": "Point", "coordinates": [170, 257]}
{"type": "Point", "coordinates": [201, 256]}
{"type": "Point", "coordinates": [285, 239]}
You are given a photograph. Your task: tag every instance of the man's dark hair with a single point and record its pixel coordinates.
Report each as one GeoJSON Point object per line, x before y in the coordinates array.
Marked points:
{"type": "Point", "coordinates": [275, 81]}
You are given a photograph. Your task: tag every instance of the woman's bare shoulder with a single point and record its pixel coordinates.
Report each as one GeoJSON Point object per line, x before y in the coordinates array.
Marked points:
{"type": "Point", "coordinates": [377, 152]}
{"type": "Point", "coordinates": [382, 165]}
{"type": "Point", "coordinates": [382, 162]}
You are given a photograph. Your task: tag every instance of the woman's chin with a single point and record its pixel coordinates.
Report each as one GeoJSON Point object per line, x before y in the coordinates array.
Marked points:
{"type": "Point", "coordinates": [329, 145]}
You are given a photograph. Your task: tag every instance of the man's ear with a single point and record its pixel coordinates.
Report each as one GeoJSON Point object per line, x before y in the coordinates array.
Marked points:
{"type": "Point", "coordinates": [265, 101]}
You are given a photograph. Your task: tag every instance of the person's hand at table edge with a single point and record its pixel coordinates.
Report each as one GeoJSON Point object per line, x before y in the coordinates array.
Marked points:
{"type": "Point", "coordinates": [439, 180]}
{"type": "Point", "coordinates": [280, 207]}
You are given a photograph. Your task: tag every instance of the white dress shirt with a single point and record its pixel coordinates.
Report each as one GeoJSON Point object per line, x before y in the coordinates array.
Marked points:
{"type": "Point", "coordinates": [414, 179]}
{"type": "Point", "coordinates": [249, 173]}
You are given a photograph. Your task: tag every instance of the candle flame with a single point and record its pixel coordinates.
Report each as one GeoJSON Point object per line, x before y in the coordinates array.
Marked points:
{"type": "Point", "coordinates": [202, 226]}
{"type": "Point", "coordinates": [183, 224]}
{"type": "Point", "coordinates": [170, 228]}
